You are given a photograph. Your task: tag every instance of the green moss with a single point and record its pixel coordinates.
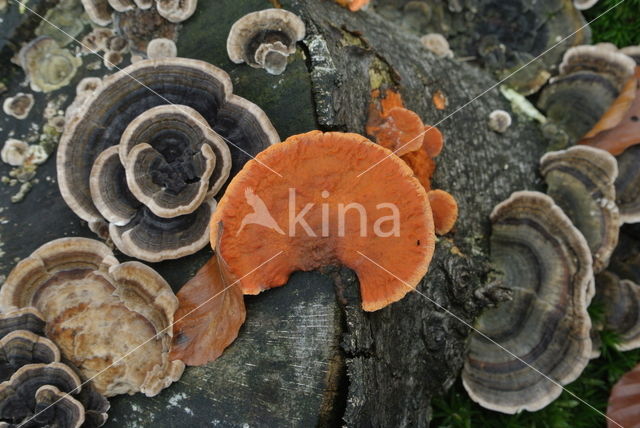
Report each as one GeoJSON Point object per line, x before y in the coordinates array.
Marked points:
{"type": "Point", "coordinates": [620, 25]}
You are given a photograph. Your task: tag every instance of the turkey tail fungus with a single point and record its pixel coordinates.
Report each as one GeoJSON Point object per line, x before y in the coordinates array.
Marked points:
{"type": "Point", "coordinates": [209, 317]}
{"type": "Point", "coordinates": [325, 210]}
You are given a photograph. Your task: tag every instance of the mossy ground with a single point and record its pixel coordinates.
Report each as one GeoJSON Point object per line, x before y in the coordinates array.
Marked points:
{"type": "Point", "coordinates": [619, 24]}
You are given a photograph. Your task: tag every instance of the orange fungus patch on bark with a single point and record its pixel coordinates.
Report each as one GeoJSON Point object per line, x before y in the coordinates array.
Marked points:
{"type": "Point", "coordinates": [353, 5]}
{"type": "Point", "coordinates": [445, 211]}
{"type": "Point", "coordinates": [325, 209]}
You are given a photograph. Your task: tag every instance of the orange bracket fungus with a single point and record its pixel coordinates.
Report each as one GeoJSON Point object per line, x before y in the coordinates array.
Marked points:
{"type": "Point", "coordinates": [265, 39]}
{"type": "Point", "coordinates": [323, 211]}
{"type": "Point", "coordinates": [143, 164]}
{"type": "Point", "coordinates": [111, 320]}
{"type": "Point", "coordinates": [209, 317]}
{"type": "Point", "coordinates": [402, 131]}
{"type": "Point", "coordinates": [546, 263]}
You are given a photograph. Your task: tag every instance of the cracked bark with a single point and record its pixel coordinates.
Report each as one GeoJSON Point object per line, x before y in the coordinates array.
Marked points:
{"type": "Point", "coordinates": [400, 357]}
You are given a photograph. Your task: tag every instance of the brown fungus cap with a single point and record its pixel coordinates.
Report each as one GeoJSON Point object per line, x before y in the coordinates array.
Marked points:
{"type": "Point", "coordinates": [121, 5]}
{"type": "Point", "coordinates": [99, 11]}
{"type": "Point", "coordinates": [28, 319]}
{"type": "Point", "coordinates": [176, 10]}
{"type": "Point", "coordinates": [139, 26]}
{"type": "Point", "coordinates": [628, 185]}
{"type": "Point", "coordinates": [20, 397]}
{"type": "Point", "coordinates": [580, 180]}
{"type": "Point", "coordinates": [620, 300]}
{"type": "Point", "coordinates": [632, 52]}
{"type": "Point", "coordinates": [162, 48]}
{"type": "Point", "coordinates": [265, 39]}
{"type": "Point", "coordinates": [22, 347]}
{"type": "Point", "coordinates": [87, 296]}
{"type": "Point", "coordinates": [600, 59]}
{"type": "Point", "coordinates": [546, 263]}
{"type": "Point", "coordinates": [190, 106]}
{"type": "Point", "coordinates": [342, 218]}
{"type": "Point", "coordinates": [18, 105]}
{"type": "Point", "coordinates": [593, 92]}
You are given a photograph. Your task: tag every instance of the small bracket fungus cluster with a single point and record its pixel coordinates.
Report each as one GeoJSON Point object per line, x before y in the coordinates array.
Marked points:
{"type": "Point", "coordinates": [18, 105]}
{"type": "Point", "coordinates": [341, 218]}
{"type": "Point", "coordinates": [38, 389]}
{"type": "Point", "coordinates": [581, 181]}
{"type": "Point", "coordinates": [402, 131]}
{"type": "Point", "coordinates": [106, 40]}
{"type": "Point", "coordinates": [265, 39]}
{"type": "Point", "coordinates": [546, 263]}
{"type": "Point", "coordinates": [140, 26]}
{"type": "Point", "coordinates": [48, 66]}
{"type": "Point", "coordinates": [111, 320]}
{"type": "Point", "coordinates": [100, 11]}
{"type": "Point", "coordinates": [148, 164]}
{"type": "Point", "coordinates": [591, 77]}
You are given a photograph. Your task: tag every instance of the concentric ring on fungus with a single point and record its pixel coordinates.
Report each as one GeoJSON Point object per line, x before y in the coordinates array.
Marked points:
{"type": "Point", "coordinates": [546, 263]}
{"type": "Point", "coordinates": [178, 132]}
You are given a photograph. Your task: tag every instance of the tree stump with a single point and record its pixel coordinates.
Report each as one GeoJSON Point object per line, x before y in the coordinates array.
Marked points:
{"type": "Point", "coordinates": [308, 355]}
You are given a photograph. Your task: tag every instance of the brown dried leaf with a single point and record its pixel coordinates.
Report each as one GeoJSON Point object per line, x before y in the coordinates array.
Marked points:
{"type": "Point", "coordinates": [624, 401]}
{"type": "Point", "coordinates": [201, 333]}
{"type": "Point", "coordinates": [619, 128]}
